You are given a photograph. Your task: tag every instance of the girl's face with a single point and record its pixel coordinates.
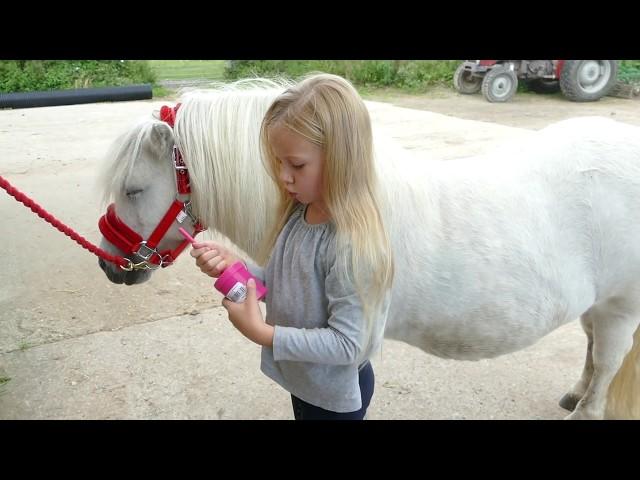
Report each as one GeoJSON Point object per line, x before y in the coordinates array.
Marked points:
{"type": "Point", "coordinates": [300, 165]}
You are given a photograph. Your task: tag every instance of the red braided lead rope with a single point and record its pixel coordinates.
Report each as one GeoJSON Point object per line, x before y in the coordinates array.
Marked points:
{"type": "Point", "coordinates": [42, 213]}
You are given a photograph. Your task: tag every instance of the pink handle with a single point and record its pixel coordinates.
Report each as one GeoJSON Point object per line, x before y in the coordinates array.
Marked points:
{"type": "Point", "coordinates": [186, 235]}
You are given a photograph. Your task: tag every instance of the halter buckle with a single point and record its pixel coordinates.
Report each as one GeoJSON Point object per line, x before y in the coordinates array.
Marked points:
{"type": "Point", "coordinates": [178, 163]}
{"type": "Point", "coordinates": [187, 210]}
{"type": "Point", "coordinates": [148, 251]}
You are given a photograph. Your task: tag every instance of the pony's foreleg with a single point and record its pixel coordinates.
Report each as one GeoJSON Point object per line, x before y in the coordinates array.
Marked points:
{"type": "Point", "coordinates": [571, 399]}
{"type": "Point", "coordinates": [614, 322]}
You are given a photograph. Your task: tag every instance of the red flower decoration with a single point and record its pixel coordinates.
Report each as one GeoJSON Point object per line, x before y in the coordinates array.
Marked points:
{"type": "Point", "coordinates": [168, 114]}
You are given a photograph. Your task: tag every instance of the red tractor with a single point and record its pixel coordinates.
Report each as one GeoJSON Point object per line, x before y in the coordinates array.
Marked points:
{"type": "Point", "coordinates": [579, 80]}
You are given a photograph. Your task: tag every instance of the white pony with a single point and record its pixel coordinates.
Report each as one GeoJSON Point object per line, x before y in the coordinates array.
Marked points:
{"type": "Point", "coordinates": [492, 252]}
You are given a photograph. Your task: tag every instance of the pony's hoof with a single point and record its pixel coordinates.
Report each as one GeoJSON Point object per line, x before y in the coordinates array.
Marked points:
{"type": "Point", "coordinates": [569, 402]}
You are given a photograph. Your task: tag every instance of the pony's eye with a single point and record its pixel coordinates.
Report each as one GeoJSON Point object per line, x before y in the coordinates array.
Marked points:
{"type": "Point", "coordinates": [134, 193]}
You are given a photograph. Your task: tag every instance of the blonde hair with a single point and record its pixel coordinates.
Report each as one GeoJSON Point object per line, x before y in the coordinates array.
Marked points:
{"type": "Point", "coordinates": [328, 111]}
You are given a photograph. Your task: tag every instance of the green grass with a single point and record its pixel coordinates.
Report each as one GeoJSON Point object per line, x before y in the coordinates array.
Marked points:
{"type": "Point", "coordinates": [159, 91]}
{"type": "Point", "coordinates": [187, 69]}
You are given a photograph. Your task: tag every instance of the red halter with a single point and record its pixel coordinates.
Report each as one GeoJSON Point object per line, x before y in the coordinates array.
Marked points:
{"type": "Point", "coordinates": [120, 235]}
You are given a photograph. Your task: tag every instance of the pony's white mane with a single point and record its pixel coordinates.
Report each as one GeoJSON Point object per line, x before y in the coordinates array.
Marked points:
{"type": "Point", "coordinates": [217, 131]}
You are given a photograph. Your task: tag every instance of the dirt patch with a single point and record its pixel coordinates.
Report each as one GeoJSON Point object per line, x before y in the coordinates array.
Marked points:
{"type": "Point", "coordinates": [525, 110]}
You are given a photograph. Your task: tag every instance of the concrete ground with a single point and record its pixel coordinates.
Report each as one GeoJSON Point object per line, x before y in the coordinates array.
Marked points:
{"type": "Point", "coordinates": [75, 346]}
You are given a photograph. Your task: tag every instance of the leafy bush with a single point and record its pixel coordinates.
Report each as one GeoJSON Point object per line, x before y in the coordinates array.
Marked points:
{"type": "Point", "coordinates": [629, 71]}
{"type": "Point", "coordinates": [418, 75]}
{"type": "Point", "coordinates": [408, 75]}
{"type": "Point", "coordinates": [35, 75]}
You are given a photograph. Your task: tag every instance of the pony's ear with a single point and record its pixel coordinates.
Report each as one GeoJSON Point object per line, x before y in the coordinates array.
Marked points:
{"type": "Point", "coordinates": [161, 137]}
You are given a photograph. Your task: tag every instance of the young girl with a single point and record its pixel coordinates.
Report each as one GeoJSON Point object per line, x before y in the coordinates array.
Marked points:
{"type": "Point", "coordinates": [329, 266]}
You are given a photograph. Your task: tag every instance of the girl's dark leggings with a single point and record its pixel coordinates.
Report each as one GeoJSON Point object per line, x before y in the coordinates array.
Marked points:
{"type": "Point", "coordinates": [305, 411]}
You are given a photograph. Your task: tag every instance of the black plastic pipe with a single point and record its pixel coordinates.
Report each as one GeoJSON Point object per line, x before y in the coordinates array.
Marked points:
{"type": "Point", "coordinates": [75, 96]}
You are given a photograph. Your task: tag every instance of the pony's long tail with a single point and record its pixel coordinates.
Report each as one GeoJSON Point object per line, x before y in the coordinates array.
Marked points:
{"type": "Point", "coordinates": [623, 397]}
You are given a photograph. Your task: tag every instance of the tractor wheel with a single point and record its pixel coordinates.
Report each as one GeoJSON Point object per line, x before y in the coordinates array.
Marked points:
{"type": "Point", "coordinates": [588, 80]}
{"type": "Point", "coordinates": [542, 85]}
{"type": "Point", "coordinates": [465, 82]}
{"type": "Point", "coordinates": [499, 84]}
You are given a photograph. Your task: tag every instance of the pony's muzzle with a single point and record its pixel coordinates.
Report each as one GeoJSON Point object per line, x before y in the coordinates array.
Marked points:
{"type": "Point", "coordinates": [116, 275]}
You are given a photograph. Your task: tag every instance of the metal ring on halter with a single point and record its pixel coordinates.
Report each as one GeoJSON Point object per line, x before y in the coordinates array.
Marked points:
{"type": "Point", "coordinates": [129, 266]}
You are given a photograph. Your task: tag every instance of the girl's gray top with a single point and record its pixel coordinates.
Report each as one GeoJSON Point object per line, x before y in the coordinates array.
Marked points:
{"type": "Point", "coordinates": [317, 316]}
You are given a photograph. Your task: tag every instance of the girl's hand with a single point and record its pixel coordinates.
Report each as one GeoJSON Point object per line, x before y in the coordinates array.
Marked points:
{"type": "Point", "coordinates": [212, 258]}
{"type": "Point", "coordinates": [247, 317]}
